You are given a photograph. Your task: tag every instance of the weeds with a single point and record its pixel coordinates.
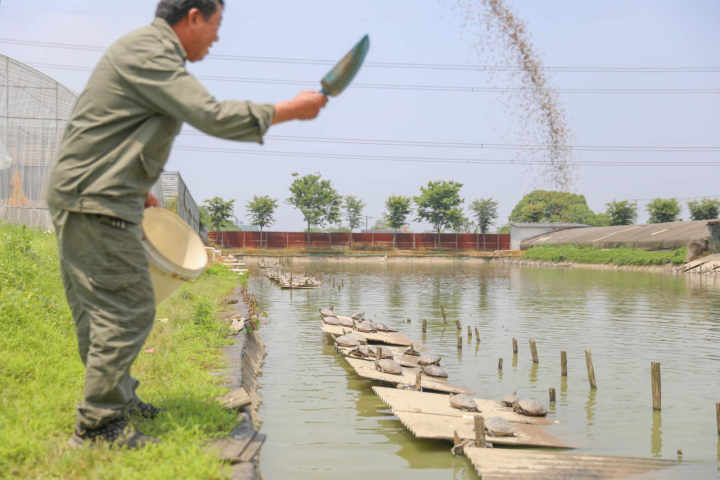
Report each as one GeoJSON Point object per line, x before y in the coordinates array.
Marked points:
{"type": "Point", "coordinates": [614, 256]}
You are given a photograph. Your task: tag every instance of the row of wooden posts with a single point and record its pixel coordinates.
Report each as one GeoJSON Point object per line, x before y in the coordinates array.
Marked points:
{"type": "Point", "coordinates": [654, 366]}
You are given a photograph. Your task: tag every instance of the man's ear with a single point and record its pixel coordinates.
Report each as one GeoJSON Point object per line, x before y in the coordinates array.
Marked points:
{"type": "Point", "coordinates": [194, 16]}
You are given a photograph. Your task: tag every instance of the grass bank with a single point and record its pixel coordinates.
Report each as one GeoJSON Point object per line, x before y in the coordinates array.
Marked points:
{"type": "Point", "coordinates": [41, 376]}
{"type": "Point", "coordinates": [611, 256]}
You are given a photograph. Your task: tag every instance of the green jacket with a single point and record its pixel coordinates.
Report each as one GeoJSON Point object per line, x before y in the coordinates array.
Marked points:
{"type": "Point", "coordinates": [123, 125]}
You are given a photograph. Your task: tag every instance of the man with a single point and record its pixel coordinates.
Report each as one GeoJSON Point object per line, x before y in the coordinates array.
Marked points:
{"type": "Point", "coordinates": [113, 150]}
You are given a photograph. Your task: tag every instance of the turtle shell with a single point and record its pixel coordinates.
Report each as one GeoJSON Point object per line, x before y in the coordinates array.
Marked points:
{"type": "Point", "coordinates": [327, 313]}
{"type": "Point", "coordinates": [426, 359]}
{"type": "Point", "coordinates": [345, 321]}
{"type": "Point", "coordinates": [388, 366]}
{"type": "Point", "coordinates": [350, 340]}
{"type": "Point", "coordinates": [510, 399]}
{"type": "Point", "coordinates": [463, 402]}
{"type": "Point", "coordinates": [358, 316]}
{"type": "Point", "coordinates": [434, 371]}
{"type": "Point", "coordinates": [361, 351]}
{"type": "Point", "coordinates": [499, 427]}
{"type": "Point", "coordinates": [330, 321]}
{"type": "Point", "coordinates": [366, 326]}
{"type": "Point", "coordinates": [531, 408]}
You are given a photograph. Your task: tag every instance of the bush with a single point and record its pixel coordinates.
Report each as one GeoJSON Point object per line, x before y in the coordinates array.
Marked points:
{"type": "Point", "coordinates": [612, 256]}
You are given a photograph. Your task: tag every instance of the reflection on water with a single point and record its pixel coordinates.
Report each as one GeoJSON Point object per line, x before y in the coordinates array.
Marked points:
{"type": "Point", "coordinates": [656, 434]}
{"type": "Point", "coordinates": [324, 422]}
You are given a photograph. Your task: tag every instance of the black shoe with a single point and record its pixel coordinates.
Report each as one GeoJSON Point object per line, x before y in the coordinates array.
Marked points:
{"type": "Point", "coordinates": [145, 410]}
{"type": "Point", "coordinates": [117, 433]}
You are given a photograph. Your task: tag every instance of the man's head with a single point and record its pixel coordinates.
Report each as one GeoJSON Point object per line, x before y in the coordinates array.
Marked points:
{"type": "Point", "coordinates": [196, 23]}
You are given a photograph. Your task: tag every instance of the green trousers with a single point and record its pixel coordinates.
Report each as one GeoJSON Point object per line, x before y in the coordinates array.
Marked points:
{"type": "Point", "coordinates": [107, 284]}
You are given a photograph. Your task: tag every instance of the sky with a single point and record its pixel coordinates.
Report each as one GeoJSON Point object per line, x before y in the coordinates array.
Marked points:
{"type": "Point", "coordinates": [404, 121]}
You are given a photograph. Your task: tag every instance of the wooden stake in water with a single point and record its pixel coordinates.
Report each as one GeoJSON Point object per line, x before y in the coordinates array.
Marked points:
{"type": "Point", "coordinates": [477, 335]}
{"type": "Point", "coordinates": [717, 411]}
{"type": "Point", "coordinates": [563, 364]}
{"type": "Point", "coordinates": [424, 326]}
{"type": "Point", "coordinates": [655, 383]}
{"type": "Point", "coordinates": [418, 381]}
{"type": "Point", "coordinates": [479, 431]}
{"type": "Point", "coordinates": [500, 362]}
{"type": "Point", "coordinates": [551, 392]}
{"type": "Point", "coordinates": [533, 351]}
{"type": "Point", "coordinates": [442, 312]}
{"type": "Point", "coordinates": [469, 333]}
{"type": "Point", "coordinates": [458, 326]}
{"type": "Point", "coordinates": [378, 353]}
{"type": "Point", "coordinates": [590, 369]}
{"type": "Point", "coordinates": [459, 342]}
{"type": "Point", "coordinates": [515, 345]}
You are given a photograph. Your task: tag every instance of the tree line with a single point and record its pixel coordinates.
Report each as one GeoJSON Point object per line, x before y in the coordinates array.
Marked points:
{"type": "Point", "coordinates": [439, 203]}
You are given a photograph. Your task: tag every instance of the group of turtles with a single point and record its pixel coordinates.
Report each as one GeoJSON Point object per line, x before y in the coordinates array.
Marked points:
{"type": "Point", "coordinates": [386, 363]}
{"type": "Point", "coordinates": [384, 359]}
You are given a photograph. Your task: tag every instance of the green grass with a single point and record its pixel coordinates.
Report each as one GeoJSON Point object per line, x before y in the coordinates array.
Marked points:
{"type": "Point", "coordinates": [41, 376]}
{"type": "Point", "coordinates": [612, 256]}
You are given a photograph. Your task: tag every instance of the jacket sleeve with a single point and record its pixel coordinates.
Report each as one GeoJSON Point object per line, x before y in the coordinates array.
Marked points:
{"type": "Point", "coordinates": [164, 84]}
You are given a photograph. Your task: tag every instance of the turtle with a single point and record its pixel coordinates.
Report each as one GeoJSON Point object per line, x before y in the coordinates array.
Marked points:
{"type": "Point", "coordinates": [426, 359]}
{"type": "Point", "coordinates": [388, 366]}
{"type": "Point", "coordinates": [327, 313]}
{"type": "Point", "coordinates": [463, 402]}
{"type": "Point", "coordinates": [411, 351]}
{"type": "Point", "coordinates": [499, 427]}
{"type": "Point", "coordinates": [331, 321]}
{"type": "Point", "coordinates": [434, 371]}
{"type": "Point", "coordinates": [531, 408]}
{"type": "Point", "coordinates": [358, 316]}
{"type": "Point", "coordinates": [366, 326]}
{"type": "Point", "coordinates": [350, 340]}
{"type": "Point", "coordinates": [510, 399]}
{"type": "Point", "coordinates": [345, 321]}
{"type": "Point", "coordinates": [362, 351]}
{"type": "Point", "coordinates": [381, 327]}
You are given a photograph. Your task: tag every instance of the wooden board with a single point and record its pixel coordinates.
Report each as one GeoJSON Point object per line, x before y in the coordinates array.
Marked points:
{"type": "Point", "coordinates": [426, 417]}
{"type": "Point", "coordinates": [439, 404]}
{"type": "Point", "coordinates": [398, 354]}
{"type": "Point", "coordinates": [389, 338]}
{"type": "Point", "coordinates": [366, 369]}
{"type": "Point", "coordinates": [506, 464]}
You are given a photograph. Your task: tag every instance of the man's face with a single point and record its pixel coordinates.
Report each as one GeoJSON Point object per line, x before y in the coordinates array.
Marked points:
{"type": "Point", "coordinates": [203, 33]}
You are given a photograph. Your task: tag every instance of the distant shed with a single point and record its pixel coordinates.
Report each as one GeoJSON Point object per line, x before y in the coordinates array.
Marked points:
{"type": "Point", "coordinates": [657, 236]}
{"type": "Point", "coordinates": [522, 231]}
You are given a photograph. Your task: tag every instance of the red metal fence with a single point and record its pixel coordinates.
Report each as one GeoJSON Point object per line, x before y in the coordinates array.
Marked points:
{"type": "Point", "coordinates": [404, 241]}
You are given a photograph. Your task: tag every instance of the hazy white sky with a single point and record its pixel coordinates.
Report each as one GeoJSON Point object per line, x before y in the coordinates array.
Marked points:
{"type": "Point", "coordinates": [605, 34]}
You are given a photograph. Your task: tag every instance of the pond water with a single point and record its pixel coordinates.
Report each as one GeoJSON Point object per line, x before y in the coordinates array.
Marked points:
{"type": "Point", "coordinates": [324, 422]}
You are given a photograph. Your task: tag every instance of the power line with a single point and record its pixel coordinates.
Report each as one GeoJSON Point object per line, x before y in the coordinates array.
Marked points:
{"type": "Point", "coordinates": [433, 88]}
{"type": "Point", "coordinates": [441, 160]}
{"type": "Point", "coordinates": [399, 65]}
{"type": "Point", "coordinates": [484, 146]}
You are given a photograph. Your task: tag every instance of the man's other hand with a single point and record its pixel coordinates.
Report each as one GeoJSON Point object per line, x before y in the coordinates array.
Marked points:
{"type": "Point", "coordinates": [305, 106]}
{"type": "Point", "coordinates": [151, 201]}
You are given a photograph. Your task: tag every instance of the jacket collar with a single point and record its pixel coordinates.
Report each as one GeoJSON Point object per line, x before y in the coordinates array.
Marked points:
{"type": "Point", "coordinates": [168, 32]}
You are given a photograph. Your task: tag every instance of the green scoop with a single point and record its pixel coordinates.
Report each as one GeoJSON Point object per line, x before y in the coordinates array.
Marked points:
{"type": "Point", "coordinates": [335, 81]}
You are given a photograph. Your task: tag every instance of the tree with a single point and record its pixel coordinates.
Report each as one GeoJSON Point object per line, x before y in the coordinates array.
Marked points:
{"type": "Point", "coordinates": [220, 211]}
{"type": "Point", "coordinates": [555, 207]}
{"type": "Point", "coordinates": [706, 209]}
{"type": "Point", "coordinates": [485, 213]}
{"type": "Point", "coordinates": [316, 199]}
{"type": "Point", "coordinates": [621, 213]}
{"type": "Point", "coordinates": [439, 204]}
{"type": "Point", "coordinates": [261, 211]}
{"type": "Point", "coordinates": [663, 210]}
{"type": "Point", "coordinates": [353, 211]}
{"type": "Point", "coordinates": [397, 208]}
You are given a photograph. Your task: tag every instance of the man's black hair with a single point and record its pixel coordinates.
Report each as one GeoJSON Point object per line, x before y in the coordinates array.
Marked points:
{"type": "Point", "coordinates": [175, 10]}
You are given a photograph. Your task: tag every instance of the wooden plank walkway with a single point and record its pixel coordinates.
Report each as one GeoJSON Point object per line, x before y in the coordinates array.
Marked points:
{"type": "Point", "coordinates": [422, 414]}
{"type": "Point", "coordinates": [389, 338]}
{"type": "Point", "coordinates": [514, 464]}
{"type": "Point", "coordinates": [366, 369]}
